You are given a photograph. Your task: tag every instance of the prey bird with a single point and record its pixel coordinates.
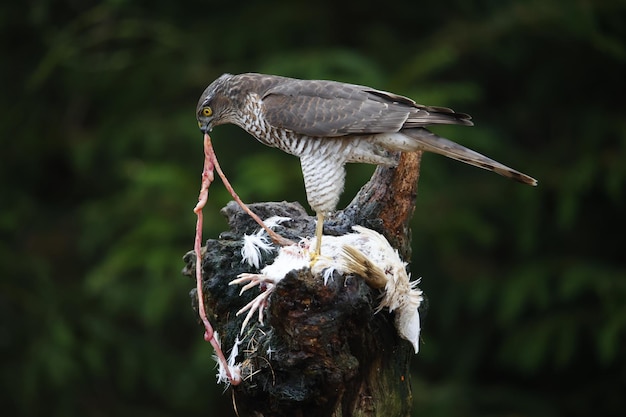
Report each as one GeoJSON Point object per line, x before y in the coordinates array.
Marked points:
{"type": "Point", "coordinates": [328, 124]}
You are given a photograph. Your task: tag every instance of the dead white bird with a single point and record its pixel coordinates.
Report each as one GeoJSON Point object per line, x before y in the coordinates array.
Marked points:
{"type": "Point", "coordinates": [365, 253]}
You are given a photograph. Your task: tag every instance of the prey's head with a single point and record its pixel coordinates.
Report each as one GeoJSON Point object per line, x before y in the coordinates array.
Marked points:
{"type": "Point", "coordinates": [215, 104]}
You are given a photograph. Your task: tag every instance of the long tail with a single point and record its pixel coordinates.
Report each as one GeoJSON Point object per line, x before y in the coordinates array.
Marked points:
{"type": "Point", "coordinates": [428, 141]}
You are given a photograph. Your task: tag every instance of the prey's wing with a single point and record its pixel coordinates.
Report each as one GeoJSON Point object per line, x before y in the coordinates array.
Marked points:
{"type": "Point", "coordinates": [332, 109]}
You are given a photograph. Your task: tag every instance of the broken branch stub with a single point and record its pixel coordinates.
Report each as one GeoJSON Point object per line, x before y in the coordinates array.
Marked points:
{"type": "Point", "coordinates": [322, 350]}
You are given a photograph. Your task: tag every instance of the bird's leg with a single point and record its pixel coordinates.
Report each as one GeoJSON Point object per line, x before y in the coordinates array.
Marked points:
{"type": "Point", "coordinates": [259, 303]}
{"type": "Point", "coordinates": [319, 230]}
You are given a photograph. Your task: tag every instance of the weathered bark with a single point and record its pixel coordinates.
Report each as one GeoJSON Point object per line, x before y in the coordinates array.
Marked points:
{"type": "Point", "coordinates": [322, 350]}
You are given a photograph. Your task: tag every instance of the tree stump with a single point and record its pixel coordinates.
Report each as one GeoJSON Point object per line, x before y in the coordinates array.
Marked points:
{"type": "Point", "coordinates": [322, 350]}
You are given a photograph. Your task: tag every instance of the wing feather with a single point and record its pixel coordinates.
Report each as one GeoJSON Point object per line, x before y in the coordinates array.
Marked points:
{"type": "Point", "coordinates": [332, 109]}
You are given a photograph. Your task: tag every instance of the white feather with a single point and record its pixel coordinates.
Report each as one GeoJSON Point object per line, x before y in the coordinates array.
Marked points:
{"type": "Point", "coordinates": [235, 369]}
{"type": "Point", "coordinates": [254, 244]}
{"type": "Point", "coordinates": [252, 247]}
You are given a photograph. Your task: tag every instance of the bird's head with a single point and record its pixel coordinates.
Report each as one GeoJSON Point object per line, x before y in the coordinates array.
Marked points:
{"type": "Point", "coordinates": [214, 107]}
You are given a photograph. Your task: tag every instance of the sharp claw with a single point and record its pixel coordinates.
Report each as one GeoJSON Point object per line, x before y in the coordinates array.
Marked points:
{"type": "Point", "coordinates": [258, 303]}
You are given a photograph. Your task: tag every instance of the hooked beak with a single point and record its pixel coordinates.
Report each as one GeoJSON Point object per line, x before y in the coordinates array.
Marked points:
{"type": "Point", "coordinates": [205, 127]}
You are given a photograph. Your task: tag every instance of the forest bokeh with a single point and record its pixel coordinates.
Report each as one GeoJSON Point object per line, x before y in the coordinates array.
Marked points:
{"type": "Point", "coordinates": [100, 165]}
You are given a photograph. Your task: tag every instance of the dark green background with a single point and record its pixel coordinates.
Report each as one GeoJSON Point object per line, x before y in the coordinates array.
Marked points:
{"type": "Point", "coordinates": [100, 169]}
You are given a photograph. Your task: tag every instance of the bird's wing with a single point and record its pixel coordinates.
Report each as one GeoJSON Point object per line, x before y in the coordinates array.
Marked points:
{"type": "Point", "coordinates": [331, 109]}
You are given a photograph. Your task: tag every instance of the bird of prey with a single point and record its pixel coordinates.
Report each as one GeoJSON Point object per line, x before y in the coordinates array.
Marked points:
{"type": "Point", "coordinates": [328, 124]}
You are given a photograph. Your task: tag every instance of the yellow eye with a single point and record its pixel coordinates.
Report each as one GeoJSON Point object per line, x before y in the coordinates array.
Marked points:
{"type": "Point", "coordinates": [207, 111]}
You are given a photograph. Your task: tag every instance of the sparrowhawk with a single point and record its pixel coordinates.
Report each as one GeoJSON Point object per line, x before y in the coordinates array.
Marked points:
{"type": "Point", "coordinates": [328, 124]}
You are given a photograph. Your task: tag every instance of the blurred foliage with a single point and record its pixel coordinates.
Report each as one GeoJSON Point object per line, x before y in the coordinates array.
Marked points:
{"type": "Point", "coordinates": [100, 168]}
